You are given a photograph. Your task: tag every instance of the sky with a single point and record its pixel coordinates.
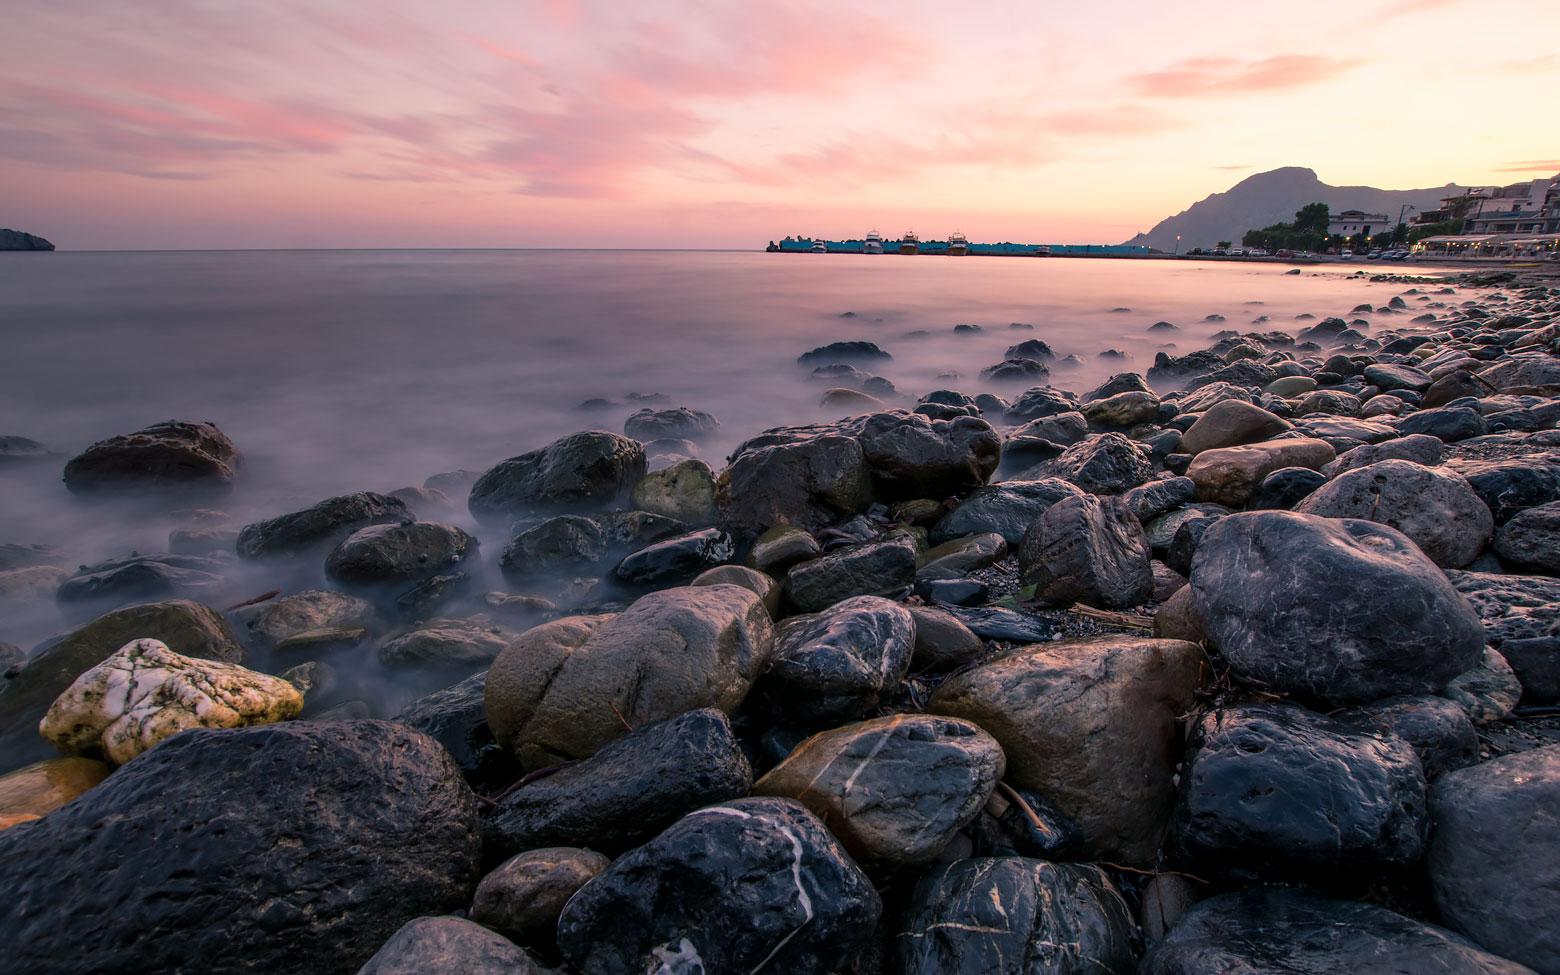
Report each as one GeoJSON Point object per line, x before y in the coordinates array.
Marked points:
{"type": "Point", "coordinates": [677, 123]}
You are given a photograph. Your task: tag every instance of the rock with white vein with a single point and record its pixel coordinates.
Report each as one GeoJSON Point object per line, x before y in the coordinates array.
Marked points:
{"type": "Point", "coordinates": [145, 693]}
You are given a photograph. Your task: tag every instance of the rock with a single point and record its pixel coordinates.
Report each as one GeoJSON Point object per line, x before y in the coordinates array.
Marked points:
{"type": "Point", "coordinates": [1285, 488]}
{"type": "Point", "coordinates": [448, 944]}
{"type": "Point", "coordinates": [22, 556]}
{"type": "Point", "coordinates": [1449, 423]}
{"type": "Point", "coordinates": [410, 552]}
{"type": "Point", "coordinates": [36, 790]}
{"type": "Point", "coordinates": [676, 560]}
{"type": "Point", "coordinates": [560, 547]}
{"type": "Point", "coordinates": [881, 568]}
{"type": "Point", "coordinates": [1419, 448]}
{"type": "Point", "coordinates": [137, 578]}
{"type": "Point", "coordinates": [850, 401]}
{"type": "Point", "coordinates": [1016, 370]}
{"type": "Point", "coordinates": [189, 629]}
{"type": "Point", "coordinates": [802, 906]}
{"type": "Point", "coordinates": [628, 791]}
{"type": "Point", "coordinates": [1439, 731]}
{"type": "Point", "coordinates": [1333, 402]}
{"type": "Point", "coordinates": [1512, 486]}
{"type": "Point", "coordinates": [452, 644]}
{"type": "Point", "coordinates": [843, 352]}
{"type": "Point", "coordinates": [425, 599]}
{"type": "Point", "coordinates": [836, 665]}
{"type": "Point", "coordinates": [1529, 372]}
{"type": "Point", "coordinates": [1335, 611]}
{"type": "Point", "coordinates": [522, 898]}
{"type": "Point", "coordinates": [1531, 539]}
{"type": "Point", "coordinates": [565, 688]}
{"type": "Point", "coordinates": [893, 789]}
{"type": "Point", "coordinates": [334, 834]}
{"type": "Point", "coordinates": [1435, 508]}
{"type": "Point", "coordinates": [202, 541]}
{"type": "Point", "coordinates": [145, 693]}
{"type": "Point", "coordinates": [1287, 386]}
{"type": "Point", "coordinates": [679, 423]}
{"type": "Point", "coordinates": [1492, 863]}
{"type": "Point", "coordinates": [942, 642]}
{"type": "Point", "coordinates": [1122, 410]}
{"type": "Point", "coordinates": [1011, 914]}
{"type": "Point", "coordinates": [996, 623]}
{"type": "Point", "coordinates": [684, 492]}
{"type": "Point", "coordinates": [269, 623]}
{"type": "Point", "coordinates": [1088, 550]}
{"type": "Point", "coordinates": [1105, 464]}
{"type": "Point", "coordinates": [1386, 375]}
{"type": "Point", "coordinates": [958, 557]}
{"type": "Point", "coordinates": [786, 479]}
{"type": "Point", "coordinates": [454, 717]}
{"type": "Point", "coordinates": [912, 456]}
{"type": "Point", "coordinates": [1511, 607]}
{"type": "Point", "coordinates": [582, 471]}
{"type": "Point", "coordinates": [321, 527]}
{"type": "Point", "coordinates": [761, 585]}
{"type": "Point", "coordinates": [1008, 509]}
{"type": "Point", "coordinates": [1092, 725]}
{"type": "Point", "coordinates": [1157, 498]}
{"type": "Point", "coordinates": [781, 547]}
{"type": "Point", "coordinates": [1274, 790]}
{"type": "Point", "coordinates": [1536, 663]}
{"type": "Point", "coordinates": [1487, 692]}
{"type": "Point", "coordinates": [1230, 423]}
{"type": "Point", "coordinates": [1277, 929]}
{"type": "Point", "coordinates": [173, 455]}
{"type": "Point", "coordinates": [1041, 401]}
{"type": "Point", "coordinates": [1229, 475]}
{"type": "Point", "coordinates": [1034, 349]}
{"type": "Point", "coordinates": [31, 585]}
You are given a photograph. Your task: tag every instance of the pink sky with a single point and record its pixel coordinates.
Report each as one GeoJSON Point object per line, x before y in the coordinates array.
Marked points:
{"type": "Point", "coordinates": [182, 123]}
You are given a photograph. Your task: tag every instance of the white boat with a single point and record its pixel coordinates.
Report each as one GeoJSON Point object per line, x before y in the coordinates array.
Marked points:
{"type": "Point", "coordinates": [958, 244]}
{"type": "Point", "coordinates": [874, 244]}
{"type": "Point", "coordinates": [819, 247]}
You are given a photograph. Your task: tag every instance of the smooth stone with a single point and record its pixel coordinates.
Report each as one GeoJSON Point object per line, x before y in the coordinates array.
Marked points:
{"type": "Point", "coordinates": [36, 790]}
{"type": "Point", "coordinates": [1088, 550]}
{"type": "Point", "coordinates": [1489, 691]}
{"type": "Point", "coordinates": [1231, 423]}
{"type": "Point", "coordinates": [1450, 423]}
{"type": "Point", "coordinates": [267, 624]}
{"type": "Point", "coordinates": [958, 557]}
{"type": "Point", "coordinates": [997, 623]}
{"type": "Point", "coordinates": [1419, 448]}
{"type": "Point", "coordinates": [142, 578]}
{"type": "Point", "coordinates": [447, 643]}
{"type": "Point", "coordinates": [1531, 539]}
{"type": "Point", "coordinates": [836, 665]}
{"type": "Point", "coordinates": [1285, 488]}
{"type": "Point", "coordinates": [677, 423]}
{"type": "Point", "coordinates": [881, 568]}
{"type": "Point", "coordinates": [1435, 508]}
{"type": "Point", "coordinates": [1160, 497]}
{"type": "Point", "coordinates": [449, 945]}
{"type": "Point", "coordinates": [762, 586]}
{"type": "Point", "coordinates": [675, 560]}
{"type": "Point", "coordinates": [1289, 386]}
{"type": "Point", "coordinates": [942, 642]}
{"type": "Point", "coordinates": [1229, 475]}
{"type": "Point", "coordinates": [781, 547]}
{"type": "Point", "coordinates": [1440, 731]}
{"type": "Point", "coordinates": [319, 528]}
{"type": "Point", "coordinates": [523, 896]}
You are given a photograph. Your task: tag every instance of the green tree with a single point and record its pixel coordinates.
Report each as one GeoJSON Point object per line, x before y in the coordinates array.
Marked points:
{"type": "Point", "coordinates": [1223, 245]}
{"type": "Point", "coordinates": [1313, 217]}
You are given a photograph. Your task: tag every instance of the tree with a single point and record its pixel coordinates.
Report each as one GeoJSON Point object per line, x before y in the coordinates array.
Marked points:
{"type": "Point", "coordinates": [1307, 232]}
{"type": "Point", "coordinates": [1223, 245]}
{"type": "Point", "coordinates": [1313, 217]}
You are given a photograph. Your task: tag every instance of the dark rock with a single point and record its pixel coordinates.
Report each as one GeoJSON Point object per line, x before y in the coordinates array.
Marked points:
{"type": "Point", "coordinates": [1016, 370]}
{"type": "Point", "coordinates": [882, 568]}
{"type": "Point", "coordinates": [677, 903]}
{"type": "Point", "coordinates": [912, 456]}
{"type": "Point", "coordinates": [1419, 448]}
{"type": "Point", "coordinates": [781, 547]}
{"type": "Point", "coordinates": [676, 560]}
{"type": "Point", "coordinates": [1089, 550]}
{"type": "Point", "coordinates": [1008, 509]}
{"type": "Point", "coordinates": [942, 642]}
{"type": "Point", "coordinates": [398, 553]}
{"type": "Point", "coordinates": [1338, 611]}
{"type": "Point", "coordinates": [145, 577]}
{"type": "Point", "coordinates": [1536, 662]}
{"type": "Point", "coordinates": [561, 546]}
{"type": "Point", "coordinates": [1284, 488]}
{"type": "Point", "coordinates": [836, 665]}
{"type": "Point", "coordinates": [1030, 349]}
{"type": "Point", "coordinates": [1159, 497]}
{"type": "Point", "coordinates": [18, 451]}
{"type": "Point", "coordinates": [1449, 423]}
{"type": "Point", "coordinates": [582, 471]}
{"type": "Point", "coordinates": [1511, 607]}
{"type": "Point", "coordinates": [523, 896]}
{"type": "Point", "coordinates": [447, 645]}
{"type": "Point", "coordinates": [296, 847]}
{"type": "Point", "coordinates": [1435, 508]}
{"type": "Point", "coordinates": [995, 623]}
{"type": "Point", "coordinates": [171, 455]}
{"type": "Point", "coordinates": [425, 599]}
{"type": "Point", "coordinates": [321, 527]}
{"type": "Point", "coordinates": [267, 624]}
{"type": "Point", "coordinates": [454, 717]}
{"type": "Point", "coordinates": [1108, 463]}
{"type": "Point", "coordinates": [1384, 375]}
{"type": "Point", "coordinates": [1508, 487]}
{"type": "Point", "coordinates": [1531, 539]}
{"type": "Point", "coordinates": [1182, 550]}
{"type": "Point", "coordinates": [1440, 732]}
{"type": "Point", "coordinates": [680, 423]}
{"type": "Point", "coordinates": [1037, 829]}
{"type": "Point", "coordinates": [951, 592]}
{"type": "Point", "coordinates": [801, 477]}
{"type": "Point", "coordinates": [1042, 401]}
{"type": "Point", "coordinates": [1276, 790]}
{"type": "Point", "coordinates": [843, 352]}
{"type": "Point", "coordinates": [448, 944]}
{"type": "Point", "coordinates": [1230, 423]}
{"type": "Point", "coordinates": [1011, 914]}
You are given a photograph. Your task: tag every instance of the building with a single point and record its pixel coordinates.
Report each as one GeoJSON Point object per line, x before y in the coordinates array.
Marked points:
{"type": "Point", "coordinates": [1521, 208]}
{"type": "Point", "coordinates": [1351, 223]}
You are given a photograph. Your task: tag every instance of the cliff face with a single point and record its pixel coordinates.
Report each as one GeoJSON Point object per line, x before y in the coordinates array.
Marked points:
{"type": "Point", "coordinates": [1273, 197]}
{"type": "Point", "coordinates": [15, 240]}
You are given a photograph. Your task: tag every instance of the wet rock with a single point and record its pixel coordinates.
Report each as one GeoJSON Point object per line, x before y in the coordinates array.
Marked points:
{"type": "Point", "coordinates": [1016, 370]}
{"type": "Point", "coordinates": [781, 547]}
{"type": "Point", "coordinates": [335, 834]}
{"type": "Point", "coordinates": [1487, 692]}
{"type": "Point", "coordinates": [522, 898]}
{"type": "Point", "coordinates": [1529, 372]}
{"type": "Point", "coordinates": [684, 492]}
{"type": "Point", "coordinates": [881, 568]}
{"type": "Point", "coordinates": [398, 553]}
{"type": "Point", "coordinates": [448, 944]}
{"type": "Point", "coordinates": [1284, 488]}
{"type": "Point", "coordinates": [1531, 539]}
{"type": "Point", "coordinates": [454, 717]}
{"type": "Point", "coordinates": [912, 456]}
{"type": "Point", "coordinates": [1512, 486]}
{"type": "Point", "coordinates": [1035, 349]}
{"type": "Point", "coordinates": [1419, 448]}
{"type": "Point", "coordinates": [1387, 375]}
{"type": "Point", "coordinates": [425, 599]}
{"type": "Point", "coordinates": [1011, 914]}
{"type": "Point", "coordinates": [35, 791]}
{"type": "Point", "coordinates": [1277, 929]}
{"type": "Point", "coordinates": [1276, 790]}
{"type": "Point", "coordinates": [1439, 731]}
{"type": "Point", "coordinates": [318, 528]}
{"type": "Point", "coordinates": [1229, 475]}
{"type": "Point", "coordinates": [836, 665]}
{"type": "Point", "coordinates": [1512, 607]}
{"type": "Point", "coordinates": [561, 546]}
{"type": "Point", "coordinates": [849, 402]}
{"type": "Point", "coordinates": [1536, 663]}
{"type": "Point", "coordinates": [802, 905]}
{"type": "Point", "coordinates": [451, 644]}
{"type": "Point", "coordinates": [579, 472]}
{"type": "Point", "coordinates": [1088, 550]}
{"type": "Point", "coordinates": [267, 624]}
{"type": "Point", "coordinates": [1435, 508]}
{"type": "Point", "coordinates": [1337, 611]}
{"type": "Point", "coordinates": [1449, 423]}
{"type": "Point", "coordinates": [942, 642]}
{"type": "Point", "coordinates": [996, 623]}
{"type": "Point", "coordinates": [787, 478]}
{"type": "Point", "coordinates": [958, 557]}
{"type": "Point", "coordinates": [1230, 423]}
{"type": "Point", "coordinates": [628, 791]}
{"type": "Point", "coordinates": [1041, 401]}
{"type": "Point", "coordinates": [1092, 725]}
{"type": "Point", "coordinates": [139, 578]}
{"type": "Point", "coordinates": [565, 688]}
{"type": "Point", "coordinates": [844, 352]}
{"type": "Point", "coordinates": [173, 455]}
{"type": "Point", "coordinates": [1122, 410]}
{"type": "Point", "coordinates": [893, 789]}
{"type": "Point", "coordinates": [676, 560]}
{"type": "Point", "coordinates": [1494, 860]}
{"type": "Point", "coordinates": [679, 423]}
{"type": "Point", "coordinates": [1008, 509]}
{"type": "Point", "coordinates": [1159, 497]}
{"type": "Point", "coordinates": [1105, 464]}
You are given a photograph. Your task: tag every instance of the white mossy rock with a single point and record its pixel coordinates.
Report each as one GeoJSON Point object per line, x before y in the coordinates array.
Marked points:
{"type": "Point", "coordinates": [146, 692]}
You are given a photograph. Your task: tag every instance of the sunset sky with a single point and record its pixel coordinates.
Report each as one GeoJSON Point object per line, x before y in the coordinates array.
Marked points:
{"type": "Point", "coordinates": [300, 123]}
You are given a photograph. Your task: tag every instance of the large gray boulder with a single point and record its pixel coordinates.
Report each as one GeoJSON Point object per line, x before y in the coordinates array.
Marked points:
{"type": "Point", "coordinates": [299, 847]}
{"type": "Point", "coordinates": [836, 665]}
{"type": "Point", "coordinates": [173, 455]}
{"type": "Point", "coordinates": [1008, 509]}
{"type": "Point", "coordinates": [1087, 550]}
{"type": "Point", "coordinates": [801, 477]}
{"type": "Point", "coordinates": [581, 472]}
{"type": "Point", "coordinates": [1338, 611]}
{"type": "Point", "coordinates": [1434, 507]}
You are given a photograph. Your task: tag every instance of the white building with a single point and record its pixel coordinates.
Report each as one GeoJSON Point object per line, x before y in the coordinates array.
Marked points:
{"type": "Point", "coordinates": [1352, 222]}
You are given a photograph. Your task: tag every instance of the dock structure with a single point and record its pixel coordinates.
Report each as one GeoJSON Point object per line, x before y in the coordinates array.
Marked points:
{"type": "Point", "coordinates": [916, 247]}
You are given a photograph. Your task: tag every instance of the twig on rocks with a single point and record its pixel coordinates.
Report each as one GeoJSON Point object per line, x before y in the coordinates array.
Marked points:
{"type": "Point", "coordinates": [1023, 806]}
{"type": "Point", "coordinates": [525, 780]}
{"type": "Point", "coordinates": [620, 717]}
{"type": "Point", "coordinates": [263, 597]}
{"type": "Point", "coordinates": [1128, 620]}
{"type": "Point", "coordinates": [1151, 873]}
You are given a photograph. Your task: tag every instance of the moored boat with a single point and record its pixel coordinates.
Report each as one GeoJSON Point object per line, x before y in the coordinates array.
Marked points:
{"type": "Point", "coordinates": [958, 244]}
{"type": "Point", "coordinates": [874, 243]}
{"type": "Point", "coordinates": [820, 247]}
{"type": "Point", "coordinates": [909, 243]}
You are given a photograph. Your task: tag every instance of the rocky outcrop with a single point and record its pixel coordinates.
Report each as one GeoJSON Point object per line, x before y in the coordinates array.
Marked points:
{"type": "Point", "coordinates": [581, 472]}
{"type": "Point", "coordinates": [16, 240]}
{"type": "Point", "coordinates": [172, 455]}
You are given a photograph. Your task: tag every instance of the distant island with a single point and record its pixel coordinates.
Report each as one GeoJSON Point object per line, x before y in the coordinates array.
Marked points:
{"type": "Point", "coordinates": [15, 240]}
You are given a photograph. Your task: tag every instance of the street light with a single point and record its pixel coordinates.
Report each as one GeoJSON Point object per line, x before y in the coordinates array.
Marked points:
{"type": "Point", "coordinates": [1177, 245]}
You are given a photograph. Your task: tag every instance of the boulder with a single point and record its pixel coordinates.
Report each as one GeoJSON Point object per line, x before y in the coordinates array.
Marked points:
{"type": "Point", "coordinates": [173, 455]}
{"type": "Point", "coordinates": [1494, 860]}
{"type": "Point", "coordinates": [36, 790]}
{"type": "Point", "coordinates": [1279, 929]}
{"type": "Point", "coordinates": [892, 789]}
{"type": "Point", "coordinates": [1388, 375]}
{"type": "Point", "coordinates": [1088, 550]}
{"type": "Point", "coordinates": [843, 352]}
{"type": "Point", "coordinates": [1230, 423]}
{"type": "Point", "coordinates": [912, 456]}
{"type": "Point", "coordinates": [1512, 607]}
{"type": "Point", "coordinates": [1092, 725]}
{"type": "Point", "coordinates": [290, 848]}
{"type": "Point", "coordinates": [448, 944]}
{"type": "Point", "coordinates": [145, 693]}
{"type": "Point", "coordinates": [1274, 790]}
{"type": "Point", "coordinates": [628, 791]}
{"type": "Point", "coordinates": [1008, 509]}
{"type": "Point", "coordinates": [454, 717]}
{"type": "Point", "coordinates": [958, 557]}
{"type": "Point", "coordinates": [684, 492]}
{"type": "Point", "coordinates": [1419, 447]}
{"type": "Point", "coordinates": [1012, 914]}
{"type": "Point", "coordinates": [1513, 485]}
{"type": "Point", "coordinates": [319, 528]}
{"type": "Point", "coordinates": [676, 560]}
{"type": "Point", "coordinates": [1338, 611]}
{"type": "Point", "coordinates": [523, 896]}
{"type": "Point", "coordinates": [1108, 463]}
{"type": "Point", "coordinates": [880, 568]}
{"type": "Point", "coordinates": [675, 905]}
{"type": "Point", "coordinates": [139, 578]}
{"type": "Point", "coordinates": [838, 664]}
{"type": "Point", "coordinates": [1285, 488]}
{"type": "Point", "coordinates": [1440, 731]}
{"type": "Point", "coordinates": [678, 423]}
{"type": "Point", "coordinates": [267, 624]}
{"type": "Point", "coordinates": [557, 549]}
{"type": "Point", "coordinates": [1435, 508]}
{"type": "Point", "coordinates": [1531, 539]}
{"type": "Point", "coordinates": [1489, 691]}
{"type": "Point", "coordinates": [1159, 497]}
{"type": "Point", "coordinates": [450, 644]}
{"type": "Point", "coordinates": [942, 642]}
{"type": "Point", "coordinates": [781, 547]}
{"type": "Point", "coordinates": [582, 471]}
{"type": "Point", "coordinates": [1121, 410]}
{"type": "Point", "coordinates": [381, 554]}
{"type": "Point", "coordinates": [806, 482]}
{"type": "Point", "coordinates": [563, 689]}
{"type": "Point", "coordinates": [1449, 423]}
{"type": "Point", "coordinates": [1229, 475]}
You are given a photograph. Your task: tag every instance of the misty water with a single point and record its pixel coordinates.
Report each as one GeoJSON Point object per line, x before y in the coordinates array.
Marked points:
{"type": "Point", "coordinates": [341, 371]}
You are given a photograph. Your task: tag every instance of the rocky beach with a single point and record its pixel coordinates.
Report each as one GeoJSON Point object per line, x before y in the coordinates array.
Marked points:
{"type": "Point", "coordinates": [1240, 656]}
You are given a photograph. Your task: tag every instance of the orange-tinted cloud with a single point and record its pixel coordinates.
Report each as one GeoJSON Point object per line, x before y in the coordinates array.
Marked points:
{"type": "Point", "coordinates": [1206, 77]}
{"type": "Point", "coordinates": [1543, 167]}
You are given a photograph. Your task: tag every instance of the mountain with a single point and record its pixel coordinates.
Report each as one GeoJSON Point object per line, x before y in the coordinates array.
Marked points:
{"type": "Point", "coordinates": [1273, 197]}
{"type": "Point", "coordinates": [15, 240]}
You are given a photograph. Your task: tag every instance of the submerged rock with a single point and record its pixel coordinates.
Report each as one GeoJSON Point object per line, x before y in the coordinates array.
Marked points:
{"type": "Point", "coordinates": [679, 423]}
{"type": "Point", "coordinates": [320, 527]}
{"type": "Point", "coordinates": [144, 577]}
{"type": "Point", "coordinates": [582, 471]}
{"type": "Point", "coordinates": [175, 454]}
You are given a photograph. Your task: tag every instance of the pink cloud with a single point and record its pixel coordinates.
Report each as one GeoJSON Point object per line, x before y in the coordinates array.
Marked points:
{"type": "Point", "coordinates": [1204, 77]}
